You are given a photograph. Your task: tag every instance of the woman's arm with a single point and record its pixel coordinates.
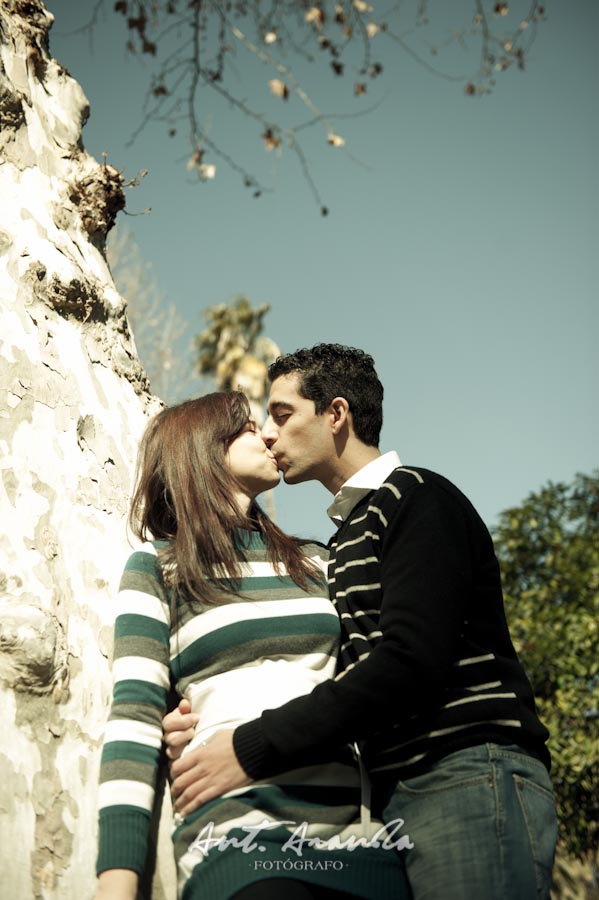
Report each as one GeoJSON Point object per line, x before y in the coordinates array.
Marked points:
{"type": "Point", "coordinates": [117, 884]}
{"type": "Point", "coordinates": [133, 734]}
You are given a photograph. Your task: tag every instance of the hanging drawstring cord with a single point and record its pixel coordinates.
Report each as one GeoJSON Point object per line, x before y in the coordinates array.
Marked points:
{"type": "Point", "coordinates": [365, 793]}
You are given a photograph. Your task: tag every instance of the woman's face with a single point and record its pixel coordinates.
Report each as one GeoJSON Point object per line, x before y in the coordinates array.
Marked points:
{"type": "Point", "coordinates": [251, 462]}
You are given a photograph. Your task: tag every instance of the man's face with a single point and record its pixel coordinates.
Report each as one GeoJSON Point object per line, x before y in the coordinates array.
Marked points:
{"type": "Point", "coordinates": [301, 440]}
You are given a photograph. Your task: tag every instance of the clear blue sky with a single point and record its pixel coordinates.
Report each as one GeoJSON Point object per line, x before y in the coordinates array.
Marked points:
{"type": "Point", "coordinates": [461, 248]}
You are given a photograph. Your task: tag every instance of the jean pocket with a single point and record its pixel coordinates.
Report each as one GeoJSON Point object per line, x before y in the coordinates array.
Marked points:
{"type": "Point", "coordinates": [443, 780]}
{"type": "Point", "coordinates": [537, 804]}
{"type": "Point", "coordinates": [462, 768]}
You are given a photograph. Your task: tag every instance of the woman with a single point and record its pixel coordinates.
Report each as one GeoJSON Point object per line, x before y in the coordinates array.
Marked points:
{"type": "Point", "coordinates": [222, 606]}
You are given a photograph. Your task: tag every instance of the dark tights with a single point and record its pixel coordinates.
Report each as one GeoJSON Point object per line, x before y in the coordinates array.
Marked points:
{"type": "Point", "coordinates": [289, 889]}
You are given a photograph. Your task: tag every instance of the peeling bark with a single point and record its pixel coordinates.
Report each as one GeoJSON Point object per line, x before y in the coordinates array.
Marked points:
{"type": "Point", "coordinates": [73, 402]}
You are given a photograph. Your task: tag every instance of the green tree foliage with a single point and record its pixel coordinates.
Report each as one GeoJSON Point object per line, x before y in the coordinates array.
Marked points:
{"type": "Point", "coordinates": [232, 333]}
{"type": "Point", "coordinates": [549, 553]}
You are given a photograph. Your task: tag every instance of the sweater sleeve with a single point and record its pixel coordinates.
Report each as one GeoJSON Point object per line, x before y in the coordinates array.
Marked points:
{"type": "Point", "coordinates": [133, 735]}
{"type": "Point", "coordinates": [425, 578]}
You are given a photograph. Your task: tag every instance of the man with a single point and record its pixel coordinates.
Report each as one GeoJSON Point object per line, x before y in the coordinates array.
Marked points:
{"type": "Point", "coordinates": [429, 681]}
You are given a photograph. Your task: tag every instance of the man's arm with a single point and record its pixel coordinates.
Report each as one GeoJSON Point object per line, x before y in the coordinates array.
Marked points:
{"type": "Point", "coordinates": [425, 580]}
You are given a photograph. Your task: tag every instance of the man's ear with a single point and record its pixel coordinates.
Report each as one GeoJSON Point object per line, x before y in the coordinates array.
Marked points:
{"type": "Point", "coordinates": [339, 413]}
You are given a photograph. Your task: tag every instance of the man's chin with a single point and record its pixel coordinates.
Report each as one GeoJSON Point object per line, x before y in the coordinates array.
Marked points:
{"type": "Point", "coordinates": [290, 477]}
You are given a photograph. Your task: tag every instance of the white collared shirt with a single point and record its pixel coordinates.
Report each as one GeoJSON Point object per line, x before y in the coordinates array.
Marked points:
{"type": "Point", "coordinates": [368, 478]}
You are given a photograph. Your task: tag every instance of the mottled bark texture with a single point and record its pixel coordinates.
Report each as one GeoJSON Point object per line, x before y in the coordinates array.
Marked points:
{"type": "Point", "coordinates": [74, 400]}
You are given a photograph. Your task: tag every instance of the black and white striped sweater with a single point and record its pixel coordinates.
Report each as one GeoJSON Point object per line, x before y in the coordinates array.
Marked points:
{"type": "Point", "coordinates": [429, 664]}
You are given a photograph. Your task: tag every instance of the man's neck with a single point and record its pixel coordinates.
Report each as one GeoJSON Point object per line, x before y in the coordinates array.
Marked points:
{"type": "Point", "coordinates": [347, 464]}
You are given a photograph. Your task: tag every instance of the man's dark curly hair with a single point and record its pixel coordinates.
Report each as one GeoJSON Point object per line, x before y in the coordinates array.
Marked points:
{"type": "Point", "coordinates": [331, 370]}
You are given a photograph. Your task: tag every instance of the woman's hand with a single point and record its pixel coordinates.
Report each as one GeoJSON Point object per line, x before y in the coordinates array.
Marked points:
{"type": "Point", "coordinates": [179, 728]}
{"type": "Point", "coordinates": [117, 884]}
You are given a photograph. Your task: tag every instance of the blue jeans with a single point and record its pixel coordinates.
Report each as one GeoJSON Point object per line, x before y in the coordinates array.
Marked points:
{"type": "Point", "coordinates": [483, 825]}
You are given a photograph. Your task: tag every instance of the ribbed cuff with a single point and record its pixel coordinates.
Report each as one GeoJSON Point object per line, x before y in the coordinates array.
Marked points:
{"type": "Point", "coordinates": [251, 749]}
{"type": "Point", "coordinates": [123, 840]}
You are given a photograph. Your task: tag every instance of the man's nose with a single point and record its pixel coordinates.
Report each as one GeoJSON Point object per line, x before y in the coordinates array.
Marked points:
{"type": "Point", "coordinates": [268, 433]}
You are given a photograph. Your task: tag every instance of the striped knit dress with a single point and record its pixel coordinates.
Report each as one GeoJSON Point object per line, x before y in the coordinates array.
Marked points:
{"type": "Point", "coordinates": [258, 650]}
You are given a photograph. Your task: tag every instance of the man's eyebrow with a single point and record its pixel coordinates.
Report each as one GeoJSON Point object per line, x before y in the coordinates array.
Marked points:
{"type": "Point", "coordinates": [278, 405]}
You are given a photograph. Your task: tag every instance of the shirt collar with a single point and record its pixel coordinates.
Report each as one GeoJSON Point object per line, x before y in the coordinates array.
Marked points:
{"type": "Point", "coordinates": [367, 479]}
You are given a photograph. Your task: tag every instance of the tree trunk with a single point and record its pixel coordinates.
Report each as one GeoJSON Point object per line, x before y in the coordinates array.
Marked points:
{"type": "Point", "coordinates": [74, 402]}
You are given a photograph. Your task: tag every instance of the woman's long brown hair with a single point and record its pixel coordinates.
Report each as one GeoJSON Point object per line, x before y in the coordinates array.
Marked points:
{"type": "Point", "coordinates": [185, 494]}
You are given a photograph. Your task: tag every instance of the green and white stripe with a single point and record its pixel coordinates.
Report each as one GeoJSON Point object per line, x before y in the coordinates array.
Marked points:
{"type": "Point", "coordinates": [260, 648]}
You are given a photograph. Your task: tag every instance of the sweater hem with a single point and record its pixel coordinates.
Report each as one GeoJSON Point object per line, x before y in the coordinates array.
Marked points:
{"type": "Point", "coordinates": [251, 749]}
{"type": "Point", "coordinates": [123, 840]}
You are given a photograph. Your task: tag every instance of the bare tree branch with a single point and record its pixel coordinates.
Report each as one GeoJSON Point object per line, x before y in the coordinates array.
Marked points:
{"type": "Point", "coordinates": [195, 44]}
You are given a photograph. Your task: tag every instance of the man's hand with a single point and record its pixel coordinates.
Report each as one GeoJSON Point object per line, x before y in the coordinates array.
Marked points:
{"type": "Point", "coordinates": [179, 728]}
{"type": "Point", "coordinates": [206, 772]}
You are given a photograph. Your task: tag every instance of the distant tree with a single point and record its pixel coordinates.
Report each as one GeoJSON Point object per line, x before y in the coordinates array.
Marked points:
{"type": "Point", "coordinates": [158, 328]}
{"type": "Point", "coordinates": [233, 351]}
{"type": "Point", "coordinates": [549, 553]}
{"type": "Point", "coordinates": [199, 47]}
